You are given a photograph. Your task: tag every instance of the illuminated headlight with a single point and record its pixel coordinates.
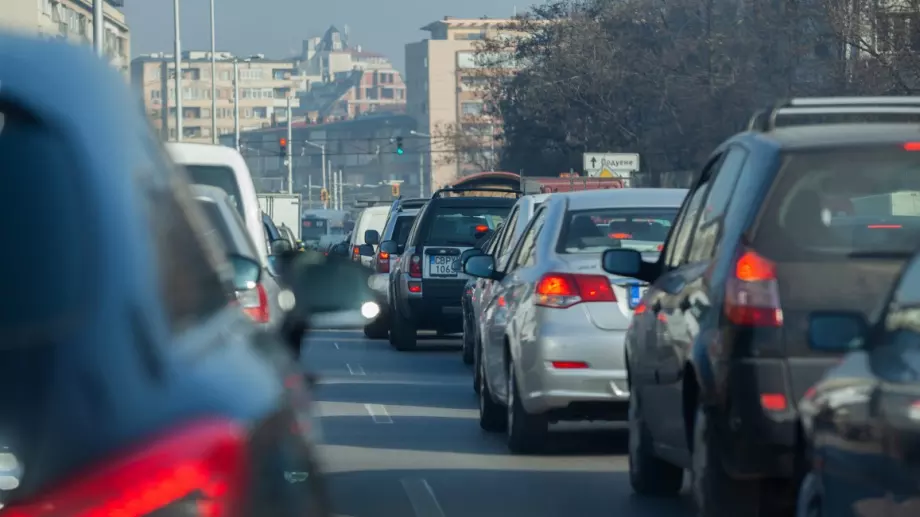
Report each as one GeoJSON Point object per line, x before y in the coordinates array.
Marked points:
{"type": "Point", "coordinates": [8, 462]}
{"type": "Point", "coordinates": [370, 310]}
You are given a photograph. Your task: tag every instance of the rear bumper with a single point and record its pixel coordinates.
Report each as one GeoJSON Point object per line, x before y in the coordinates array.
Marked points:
{"type": "Point", "coordinates": [439, 306]}
{"type": "Point", "coordinates": [763, 442]}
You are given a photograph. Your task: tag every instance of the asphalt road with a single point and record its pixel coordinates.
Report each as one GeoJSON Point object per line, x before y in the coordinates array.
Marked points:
{"type": "Point", "coordinates": [402, 439]}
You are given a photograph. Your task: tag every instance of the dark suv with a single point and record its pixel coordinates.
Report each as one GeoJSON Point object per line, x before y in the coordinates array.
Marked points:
{"type": "Point", "coordinates": [808, 211]}
{"type": "Point", "coordinates": [426, 285]}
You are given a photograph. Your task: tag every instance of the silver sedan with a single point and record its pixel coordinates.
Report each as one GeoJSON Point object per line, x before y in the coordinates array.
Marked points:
{"type": "Point", "coordinates": [553, 331]}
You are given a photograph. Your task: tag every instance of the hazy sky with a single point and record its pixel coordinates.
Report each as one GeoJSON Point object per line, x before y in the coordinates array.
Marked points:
{"type": "Point", "coordinates": [277, 27]}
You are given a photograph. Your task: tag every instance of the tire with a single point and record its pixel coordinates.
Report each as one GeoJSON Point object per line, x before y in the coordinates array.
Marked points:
{"type": "Point", "coordinates": [526, 432]}
{"type": "Point", "coordinates": [491, 414]}
{"type": "Point", "coordinates": [468, 342]}
{"type": "Point", "coordinates": [648, 474]}
{"type": "Point", "coordinates": [477, 368]}
{"type": "Point", "coordinates": [403, 335]}
{"type": "Point", "coordinates": [715, 493]}
{"type": "Point", "coordinates": [810, 503]}
{"type": "Point", "coordinates": [377, 329]}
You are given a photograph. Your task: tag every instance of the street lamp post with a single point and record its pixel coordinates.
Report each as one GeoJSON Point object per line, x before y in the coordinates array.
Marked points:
{"type": "Point", "coordinates": [178, 65]}
{"type": "Point", "coordinates": [98, 28]}
{"type": "Point", "coordinates": [421, 164]}
{"type": "Point", "coordinates": [236, 102]}
{"type": "Point", "coordinates": [322, 149]}
{"type": "Point", "coordinates": [213, 79]}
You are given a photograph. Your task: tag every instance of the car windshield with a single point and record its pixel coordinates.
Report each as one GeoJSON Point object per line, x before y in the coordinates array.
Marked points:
{"type": "Point", "coordinates": [592, 231]}
{"type": "Point", "coordinates": [218, 176]}
{"type": "Point", "coordinates": [842, 203]}
{"type": "Point", "coordinates": [460, 226]}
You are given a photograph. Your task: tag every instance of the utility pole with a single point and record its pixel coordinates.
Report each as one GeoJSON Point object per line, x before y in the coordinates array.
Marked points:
{"type": "Point", "coordinates": [421, 174]}
{"type": "Point", "coordinates": [332, 191]}
{"type": "Point", "coordinates": [491, 142]}
{"type": "Point", "coordinates": [213, 79]}
{"type": "Point", "coordinates": [99, 28]}
{"type": "Point", "coordinates": [290, 155]}
{"type": "Point", "coordinates": [178, 60]}
{"type": "Point", "coordinates": [236, 102]}
{"type": "Point", "coordinates": [341, 184]}
{"type": "Point", "coordinates": [310, 191]}
{"type": "Point", "coordinates": [327, 173]}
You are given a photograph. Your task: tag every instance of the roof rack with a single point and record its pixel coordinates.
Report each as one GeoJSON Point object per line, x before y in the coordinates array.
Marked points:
{"type": "Point", "coordinates": [411, 203]}
{"type": "Point", "coordinates": [450, 190]}
{"type": "Point", "coordinates": [893, 109]}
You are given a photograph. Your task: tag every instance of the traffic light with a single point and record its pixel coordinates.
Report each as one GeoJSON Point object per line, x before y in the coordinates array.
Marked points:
{"type": "Point", "coordinates": [399, 147]}
{"type": "Point", "coordinates": [396, 190]}
{"type": "Point", "coordinates": [283, 143]}
{"type": "Point", "coordinates": [324, 195]}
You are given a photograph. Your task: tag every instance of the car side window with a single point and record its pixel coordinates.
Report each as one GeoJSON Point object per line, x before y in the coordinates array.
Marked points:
{"type": "Point", "coordinates": [413, 232]}
{"type": "Point", "coordinates": [502, 250]}
{"type": "Point", "coordinates": [193, 274]}
{"type": "Point", "coordinates": [709, 226]}
{"type": "Point", "coordinates": [679, 239]}
{"type": "Point", "coordinates": [524, 254]}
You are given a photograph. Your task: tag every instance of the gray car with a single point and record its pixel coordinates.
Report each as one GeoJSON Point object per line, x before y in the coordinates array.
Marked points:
{"type": "Point", "coordinates": [229, 232]}
{"type": "Point", "coordinates": [553, 330]}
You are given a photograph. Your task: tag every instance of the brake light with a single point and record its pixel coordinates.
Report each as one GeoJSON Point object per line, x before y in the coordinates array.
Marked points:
{"type": "Point", "coordinates": [884, 226]}
{"type": "Point", "coordinates": [640, 309]}
{"type": "Point", "coordinates": [912, 146]}
{"type": "Point", "coordinates": [356, 254]}
{"type": "Point", "coordinates": [569, 365]}
{"type": "Point", "coordinates": [200, 470]}
{"type": "Point", "coordinates": [661, 247]}
{"type": "Point", "coordinates": [620, 236]}
{"type": "Point", "coordinates": [383, 262]}
{"type": "Point", "coordinates": [752, 292]}
{"type": "Point", "coordinates": [255, 303]}
{"type": "Point", "coordinates": [561, 290]}
{"type": "Point", "coordinates": [415, 287]}
{"type": "Point", "coordinates": [415, 266]}
{"type": "Point", "coordinates": [773, 401]}
{"type": "Point", "coordinates": [482, 228]}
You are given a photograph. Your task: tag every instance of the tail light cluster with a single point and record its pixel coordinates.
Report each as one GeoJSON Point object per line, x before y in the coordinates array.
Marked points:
{"type": "Point", "coordinates": [752, 292]}
{"type": "Point", "coordinates": [415, 266]}
{"type": "Point", "coordinates": [562, 290]}
{"type": "Point", "coordinates": [200, 470]}
{"type": "Point", "coordinates": [383, 262]}
{"type": "Point", "coordinates": [356, 254]}
{"type": "Point", "coordinates": [255, 303]}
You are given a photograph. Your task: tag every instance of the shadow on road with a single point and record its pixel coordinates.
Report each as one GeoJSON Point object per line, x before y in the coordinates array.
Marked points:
{"type": "Point", "coordinates": [495, 493]}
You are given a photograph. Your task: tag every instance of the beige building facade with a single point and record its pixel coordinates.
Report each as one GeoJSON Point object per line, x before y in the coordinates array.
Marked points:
{"type": "Point", "coordinates": [264, 84]}
{"type": "Point", "coordinates": [70, 20]}
{"type": "Point", "coordinates": [444, 90]}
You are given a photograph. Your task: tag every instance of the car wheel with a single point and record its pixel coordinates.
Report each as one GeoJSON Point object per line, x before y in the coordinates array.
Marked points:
{"type": "Point", "coordinates": [467, 342]}
{"type": "Point", "coordinates": [403, 335]}
{"type": "Point", "coordinates": [377, 329]}
{"type": "Point", "coordinates": [810, 503]}
{"type": "Point", "coordinates": [648, 474]}
{"type": "Point", "coordinates": [526, 432]}
{"type": "Point", "coordinates": [477, 368]}
{"type": "Point", "coordinates": [715, 493]}
{"type": "Point", "coordinates": [491, 414]}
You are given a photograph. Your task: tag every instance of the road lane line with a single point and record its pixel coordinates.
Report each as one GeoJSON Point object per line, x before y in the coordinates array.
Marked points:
{"type": "Point", "coordinates": [422, 498]}
{"type": "Point", "coordinates": [355, 370]}
{"type": "Point", "coordinates": [336, 346]}
{"type": "Point", "coordinates": [378, 413]}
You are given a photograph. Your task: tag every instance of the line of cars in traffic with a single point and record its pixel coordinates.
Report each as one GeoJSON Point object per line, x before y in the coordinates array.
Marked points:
{"type": "Point", "coordinates": [756, 331]}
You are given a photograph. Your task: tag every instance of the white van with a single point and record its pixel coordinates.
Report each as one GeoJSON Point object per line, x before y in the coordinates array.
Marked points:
{"type": "Point", "coordinates": [225, 168]}
{"type": "Point", "coordinates": [372, 218]}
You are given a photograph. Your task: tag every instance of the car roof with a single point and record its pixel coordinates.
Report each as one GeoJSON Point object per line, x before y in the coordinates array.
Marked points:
{"type": "Point", "coordinates": [207, 154]}
{"type": "Point", "coordinates": [377, 209]}
{"type": "Point", "coordinates": [837, 135]}
{"type": "Point", "coordinates": [209, 191]}
{"type": "Point", "coordinates": [624, 197]}
{"type": "Point", "coordinates": [537, 198]}
{"type": "Point", "coordinates": [415, 202]}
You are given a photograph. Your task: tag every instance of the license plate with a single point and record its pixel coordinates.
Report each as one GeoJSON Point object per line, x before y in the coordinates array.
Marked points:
{"type": "Point", "coordinates": [636, 292]}
{"type": "Point", "coordinates": [442, 265]}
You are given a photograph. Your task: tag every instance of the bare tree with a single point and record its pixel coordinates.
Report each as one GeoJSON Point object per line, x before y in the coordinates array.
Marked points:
{"type": "Point", "coordinates": [470, 145]}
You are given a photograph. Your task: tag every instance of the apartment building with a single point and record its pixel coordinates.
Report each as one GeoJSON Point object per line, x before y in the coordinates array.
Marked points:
{"type": "Point", "coordinates": [444, 90]}
{"type": "Point", "coordinates": [264, 85]}
{"type": "Point", "coordinates": [70, 20]}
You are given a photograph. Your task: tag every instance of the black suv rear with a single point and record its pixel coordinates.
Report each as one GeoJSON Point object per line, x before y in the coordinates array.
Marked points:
{"type": "Point", "coordinates": [426, 285]}
{"type": "Point", "coordinates": [782, 222]}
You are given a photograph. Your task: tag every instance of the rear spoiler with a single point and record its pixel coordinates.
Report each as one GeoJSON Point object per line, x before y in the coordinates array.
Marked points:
{"type": "Point", "coordinates": [457, 190]}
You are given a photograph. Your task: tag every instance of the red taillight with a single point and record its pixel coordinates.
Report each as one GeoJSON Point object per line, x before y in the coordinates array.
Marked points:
{"type": "Point", "coordinates": [201, 471]}
{"type": "Point", "coordinates": [561, 290]}
{"type": "Point", "coordinates": [640, 309]}
{"type": "Point", "coordinates": [773, 401]}
{"type": "Point", "coordinates": [415, 266]}
{"type": "Point", "coordinates": [912, 146]}
{"type": "Point", "coordinates": [569, 365]}
{"type": "Point", "coordinates": [356, 254]}
{"type": "Point", "coordinates": [752, 292]}
{"type": "Point", "coordinates": [255, 303]}
{"type": "Point", "coordinates": [482, 228]}
{"type": "Point", "coordinates": [661, 247]}
{"type": "Point", "coordinates": [620, 236]}
{"type": "Point", "coordinates": [383, 262]}
{"type": "Point", "coordinates": [884, 226]}
{"type": "Point", "coordinates": [415, 287]}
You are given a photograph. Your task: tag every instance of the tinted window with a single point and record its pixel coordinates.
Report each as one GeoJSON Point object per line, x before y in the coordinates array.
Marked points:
{"type": "Point", "coordinates": [524, 252]}
{"type": "Point", "coordinates": [44, 277]}
{"type": "Point", "coordinates": [401, 229]}
{"type": "Point", "coordinates": [593, 231]}
{"type": "Point", "coordinates": [314, 228]}
{"type": "Point", "coordinates": [457, 226]}
{"type": "Point", "coordinates": [217, 176]}
{"type": "Point", "coordinates": [843, 202]}
{"type": "Point", "coordinates": [709, 225]}
{"type": "Point", "coordinates": [218, 232]}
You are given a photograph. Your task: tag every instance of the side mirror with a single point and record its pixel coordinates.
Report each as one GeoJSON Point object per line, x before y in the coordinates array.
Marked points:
{"type": "Point", "coordinates": [466, 255]}
{"type": "Point", "coordinates": [246, 272]}
{"type": "Point", "coordinates": [622, 262]}
{"type": "Point", "coordinates": [372, 237]}
{"type": "Point", "coordinates": [389, 247]}
{"type": "Point", "coordinates": [836, 331]}
{"type": "Point", "coordinates": [280, 246]}
{"type": "Point", "coordinates": [481, 266]}
{"type": "Point", "coordinates": [366, 250]}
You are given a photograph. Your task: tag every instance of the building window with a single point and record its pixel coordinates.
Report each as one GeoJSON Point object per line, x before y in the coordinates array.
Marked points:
{"type": "Point", "coordinates": [280, 93]}
{"type": "Point", "coordinates": [225, 75]}
{"type": "Point", "coordinates": [387, 93]}
{"type": "Point", "coordinates": [192, 74]}
{"type": "Point", "coordinates": [281, 74]}
{"type": "Point", "coordinates": [252, 74]}
{"type": "Point", "coordinates": [191, 132]}
{"type": "Point", "coordinates": [155, 94]}
{"type": "Point", "coordinates": [471, 108]}
{"type": "Point", "coordinates": [259, 113]}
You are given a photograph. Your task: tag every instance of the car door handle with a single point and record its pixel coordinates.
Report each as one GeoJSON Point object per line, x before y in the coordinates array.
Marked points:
{"type": "Point", "coordinates": [685, 304]}
{"type": "Point", "coordinates": [656, 307]}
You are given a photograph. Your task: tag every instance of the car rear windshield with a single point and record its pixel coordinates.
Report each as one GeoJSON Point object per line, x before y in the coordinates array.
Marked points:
{"type": "Point", "coordinates": [47, 258]}
{"type": "Point", "coordinates": [218, 176]}
{"type": "Point", "coordinates": [314, 228]}
{"type": "Point", "coordinates": [592, 231]}
{"type": "Point", "coordinates": [459, 226]}
{"type": "Point", "coordinates": [219, 231]}
{"type": "Point", "coordinates": [401, 229]}
{"type": "Point", "coordinates": [846, 202]}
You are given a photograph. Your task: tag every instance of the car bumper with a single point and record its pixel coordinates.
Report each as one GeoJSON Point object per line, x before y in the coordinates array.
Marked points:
{"type": "Point", "coordinates": [379, 283]}
{"type": "Point", "coordinates": [603, 383]}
